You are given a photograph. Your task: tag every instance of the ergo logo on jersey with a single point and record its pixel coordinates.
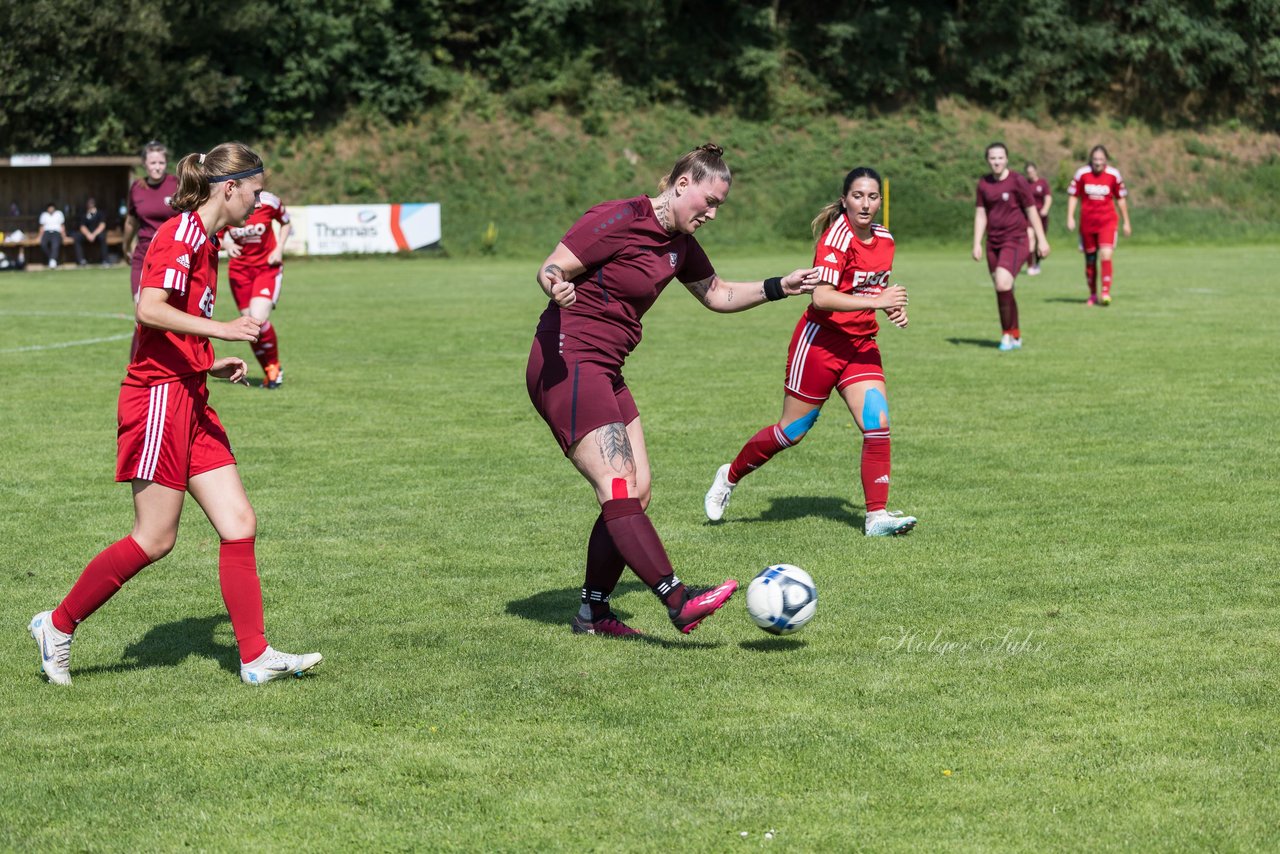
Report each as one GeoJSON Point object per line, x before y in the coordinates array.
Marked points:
{"type": "Point", "coordinates": [251, 232]}
{"type": "Point", "coordinates": [865, 281]}
{"type": "Point", "coordinates": [1097, 191]}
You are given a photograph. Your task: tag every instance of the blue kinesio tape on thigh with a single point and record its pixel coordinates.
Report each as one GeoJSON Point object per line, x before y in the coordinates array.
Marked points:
{"type": "Point", "coordinates": [875, 410]}
{"type": "Point", "coordinates": [796, 429]}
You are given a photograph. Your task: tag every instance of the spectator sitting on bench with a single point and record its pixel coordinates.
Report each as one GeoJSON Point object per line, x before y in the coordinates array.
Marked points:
{"type": "Point", "coordinates": [93, 229]}
{"type": "Point", "coordinates": [52, 232]}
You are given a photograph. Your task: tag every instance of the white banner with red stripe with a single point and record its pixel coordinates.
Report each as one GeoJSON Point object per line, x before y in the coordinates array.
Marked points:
{"type": "Point", "coordinates": [339, 229]}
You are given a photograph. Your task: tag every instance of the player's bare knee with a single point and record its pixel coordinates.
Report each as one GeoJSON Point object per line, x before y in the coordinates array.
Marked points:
{"type": "Point", "coordinates": [241, 525]}
{"type": "Point", "coordinates": [798, 429]}
{"type": "Point", "coordinates": [156, 545]}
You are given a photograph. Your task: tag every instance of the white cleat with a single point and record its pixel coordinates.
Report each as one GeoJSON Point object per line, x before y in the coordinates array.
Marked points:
{"type": "Point", "coordinates": [883, 523]}
{"type": "Point", "coordinates": [718, 495]}
{"type": "Point", "coordinates": [55, 648]}
{"type": "Point", "coordinates": [273, 664]}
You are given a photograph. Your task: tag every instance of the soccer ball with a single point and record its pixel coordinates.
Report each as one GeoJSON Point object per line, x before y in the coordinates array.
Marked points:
{"type": "Point", "coordinates": [782, 599]}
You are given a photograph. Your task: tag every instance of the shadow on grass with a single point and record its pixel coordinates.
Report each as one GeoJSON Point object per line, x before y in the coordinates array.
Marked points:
{"type": "Point", "coordinates": [557, 607]}
{"type": "Point", "coordinates": [791, 507]}
{"type": "Point", "coordinates": [1071, 300]}
{"type": "Point", "coordinates": [774, 644]}
{"type": "Point", "coordinates": [170, 644]}
{"type": "Point", "coordinates": [974, 342]}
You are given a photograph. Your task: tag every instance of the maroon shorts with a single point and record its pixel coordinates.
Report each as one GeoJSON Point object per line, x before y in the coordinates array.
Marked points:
{"type": "Point", "coordinates": [574, 391]}
{"type": "Point", "coordinates": [821, 360]}
{"type": "Point", "coordinates": [168, 433]}
{"type": "Point", "coordinates": [1010, 254]}
{"type": "Point", "coordinates": [135, 268]}
{"type": "Point", "coordinates": [250, 282]}
{"type": "Point", "coordinates": [1092, 236]}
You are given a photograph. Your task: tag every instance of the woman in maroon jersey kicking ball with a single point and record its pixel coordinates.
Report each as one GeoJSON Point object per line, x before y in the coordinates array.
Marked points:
{"type": "Point", "coordinates": [834, 349]}
{"type": "Point", "coordinates": [150, 206]}
{"type": "Point", "coordinates": [602, 277]}
{"type": "Point", "coordinates": [170, 440]}
{"type": "Point", "coordinates": [1004, 210]}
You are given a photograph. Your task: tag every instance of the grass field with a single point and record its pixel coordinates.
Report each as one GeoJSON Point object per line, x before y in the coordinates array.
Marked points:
{"type": "Point", "coordinates": [1076, 650]}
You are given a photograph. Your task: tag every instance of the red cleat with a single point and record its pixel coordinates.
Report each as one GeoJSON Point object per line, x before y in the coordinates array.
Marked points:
{"type": "Point", "coordinates": [608, 625]}
{"type": "Point", "coordinates": [702, 602]}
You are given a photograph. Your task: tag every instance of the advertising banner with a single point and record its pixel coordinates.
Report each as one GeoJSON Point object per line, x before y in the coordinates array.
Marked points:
{"type": "Point", "coordinates": [336, 229]}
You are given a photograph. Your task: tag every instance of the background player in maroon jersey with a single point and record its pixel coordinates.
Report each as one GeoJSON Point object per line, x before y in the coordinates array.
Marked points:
{"type": "Point", "coordinates": [1098, 189]}
{"type": "Point", "coordinates": [1043, 197]}
{"type": "Point", "coordinates": [601, 278]}
{"type": "Point", "coordinates": [1004, 210]}
{"type": "Point", "coordinates": [834, 348]}
{"type": "Point", "coordinates": [170, 441]}
{"type": "Point", "coordinates": [149, 208]}
{"type": "Point", "coordinates": [256, 272]}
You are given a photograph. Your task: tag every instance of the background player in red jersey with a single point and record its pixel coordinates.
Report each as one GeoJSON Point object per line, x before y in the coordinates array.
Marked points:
{"type": "Point", "coordinates": [1004, 210]}
{"type": "Point", "coordinates": [170, 440]}
{"type": "Point", "coordinates": [601, 278]}
{"type": "Point", "coordinates": [1043, 197]}
{"type": "Point", "coordinates": [1098, 189]}
{"type": "Point", "coordinates": [834, 348]}
{"type": "Point", "coordinates": [149, 208]}
{"type": "Point", "coordinates": [256, 271]}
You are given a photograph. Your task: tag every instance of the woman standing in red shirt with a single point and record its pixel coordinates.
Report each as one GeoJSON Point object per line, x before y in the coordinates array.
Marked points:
{"type": "Point", "coordinates": [170, 441]}
{"type": "Point", "coordinates": [834, 349]}
{"type": "Point", "coordinates": [256, 271]}
{"type": "Point", "coordinates": [150, 206]}
{"type": "Point", "coordinates": [1097, 189]}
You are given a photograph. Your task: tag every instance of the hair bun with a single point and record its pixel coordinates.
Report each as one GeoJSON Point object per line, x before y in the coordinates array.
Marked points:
{"type": "Point", "coordinates": [712, 148]}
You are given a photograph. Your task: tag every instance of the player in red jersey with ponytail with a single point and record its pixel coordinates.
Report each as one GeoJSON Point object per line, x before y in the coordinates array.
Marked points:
{"type": "Point", "coordinates": [170, 441]}
{"type": "Point", "coordinates": [1098, 189]}
{"type": "Point", "coordinates": [834, 349]}
{"type": "Point", "coordinates": [256, 271]}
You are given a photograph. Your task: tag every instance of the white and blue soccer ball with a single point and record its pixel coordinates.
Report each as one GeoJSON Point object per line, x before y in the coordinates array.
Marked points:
{"type": "Point", "coordinates": [782, 599]}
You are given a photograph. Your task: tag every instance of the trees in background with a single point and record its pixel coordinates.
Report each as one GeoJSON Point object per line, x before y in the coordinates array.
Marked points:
{"type": "Point", "coordinates": [86, 77]}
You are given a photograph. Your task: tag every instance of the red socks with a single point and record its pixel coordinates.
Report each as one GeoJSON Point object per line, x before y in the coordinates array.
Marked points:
{"type": "Point", "coordinates": [104, 575]}
{"type": "Point", "coordinates": [1106, 275]}
{"type": "Point", "coordinates": [242, 593]}
{"type": "Point", "coordinates": [267, 348]}
{"type": "Point", "coordinates": [759, 449]}
{"type": "Point", "coordinates": [875, 468]}
{"type": "Point", "coordinates": [1008, 313]}
{"type": "Point", "coordinates": [1091, 277]}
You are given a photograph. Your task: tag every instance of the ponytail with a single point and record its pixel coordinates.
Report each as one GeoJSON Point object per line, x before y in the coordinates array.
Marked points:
{"type": "Point", "coordinates": [703, 162]}
{"type": "Point", "coordinates": [832, 212]}
{"type": "Point", "coordinates": [196, 172]}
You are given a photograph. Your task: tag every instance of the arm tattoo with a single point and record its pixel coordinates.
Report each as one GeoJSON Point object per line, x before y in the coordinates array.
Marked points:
{"type": "Point", "coordinates": [703, 290]}
{"type": "Point", "coordinates": [554, 269]}
{"type": "Point", "coordinates": [615, 448]}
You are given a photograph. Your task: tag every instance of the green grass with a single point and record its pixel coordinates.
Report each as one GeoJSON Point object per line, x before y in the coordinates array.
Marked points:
{"type": "Point", "coordinates": [1106, 495]}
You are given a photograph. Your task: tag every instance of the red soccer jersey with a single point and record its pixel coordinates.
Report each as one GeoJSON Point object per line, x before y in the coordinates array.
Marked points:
{"type": "Point", "coordinates": [629, 258]}
{"type": "Point", "coordinates": [852, 267]}
{"type": "Point", "coordinates": [256, 237]}
{"type": "Point", "coordinates": [183, 261]}
{"type": "Point", "coordinates": [1097, 195]}
{"type": "Point", "coordinates": [1006, 202]}
{"type": "Point", "coordinates": [150, 206]}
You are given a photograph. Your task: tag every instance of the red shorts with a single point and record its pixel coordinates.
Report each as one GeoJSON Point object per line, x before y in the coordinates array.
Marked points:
{"type": "Point", "coordinates": [168, 433]}
{"type": "Point", "coordinates": [821, 360]}
{"type": "Point", "coordinates": [250, 282]}
{"type": "Point", "coordinates": [575, 392]}
{"type": "Point", "coordinates": [1011, 254]}
{"type": "Point", "coordinates": [1092, 236]}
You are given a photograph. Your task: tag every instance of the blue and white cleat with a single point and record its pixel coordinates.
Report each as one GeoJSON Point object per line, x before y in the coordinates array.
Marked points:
{"type": "Point", "coordinates": [883, 523]}
{"type": "Point", "coordinates": [1008, 342]}
{"type": "Point", "coordinates": [273, 664]}
{"type": "Point", "coordinates": [719, 494]}
{"type": "Point", "coordinates": [55, 648]}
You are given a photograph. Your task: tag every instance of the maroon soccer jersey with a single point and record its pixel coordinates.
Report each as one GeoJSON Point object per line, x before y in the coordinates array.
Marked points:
{"type": "Point", "coordinates": [629, 258]}
{"type": "Point", "coordinates": [1097, 194]}
{"type": "Point", "coordinates": [1005, 202]}
{"type": "Point", "coordinates": [853, 267]}
{"type": "Point", "coordinates": [1040, 192]}
{"type": "Point", "coordinates": [256, 237]}
{"type": "Point", "coordinates": [184, 262]}
{"type": "Point", "coordinates": [150, 205]}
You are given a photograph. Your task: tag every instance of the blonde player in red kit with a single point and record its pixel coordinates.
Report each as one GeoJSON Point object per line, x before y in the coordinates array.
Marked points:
{"type": "Point", "coordinates": [256, 271]}
{"type": "Point", "coordinates": [170, 440]}
{"type": "Point", "coordinates": [601, 278]}
{"type": "Point", "coordinates": [1097, 189]}
{"type": "Point", "coordinates": [834, 349]}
